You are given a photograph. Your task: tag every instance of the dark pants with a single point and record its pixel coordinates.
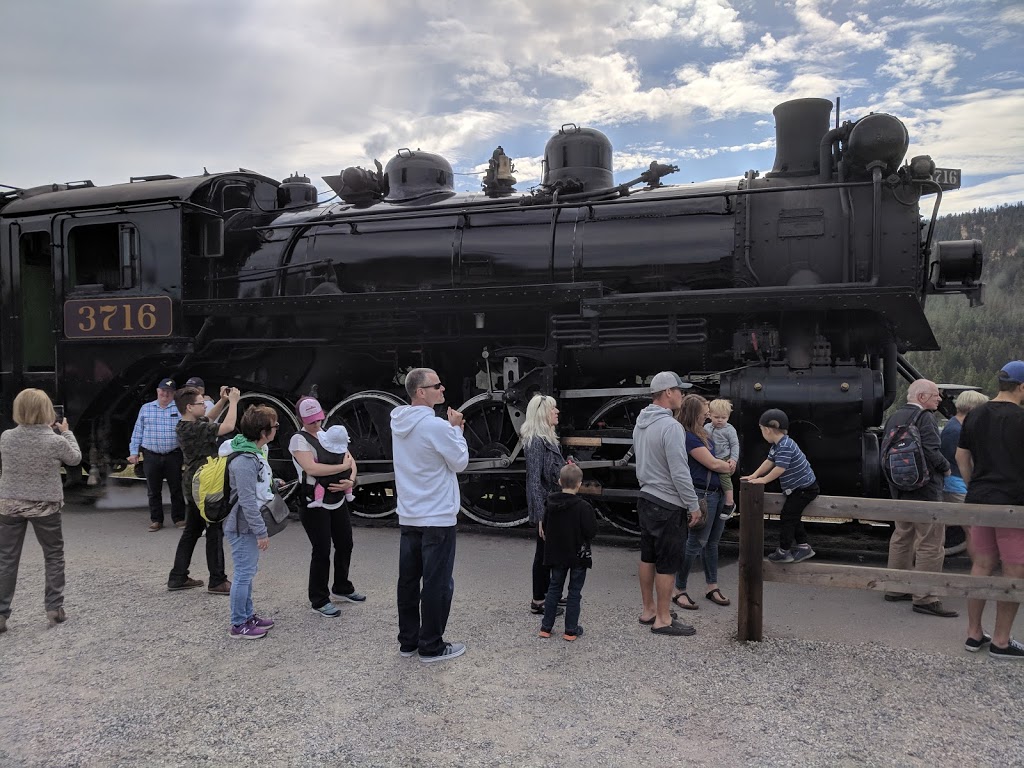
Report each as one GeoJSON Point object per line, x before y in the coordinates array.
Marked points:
{"type": "Point", "coordinates": [160, 467]}
{"type": "Point", "coordinates": [51, 539]}
{"type": "Point", "coordinates": [791, 527]}
{"type": "Point", "coordinates": [572, 604]}
{"type": "Point", "coordinates": [190, 535]}
{"type": "Point", "coordinates": [426, 554]}
{"type": "Point", "coordinates": [541, 572]}
{"type": "Point", "coordinates": [324, 526]}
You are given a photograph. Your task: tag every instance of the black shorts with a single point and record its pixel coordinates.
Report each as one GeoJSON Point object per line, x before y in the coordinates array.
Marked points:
{"type": "Point", "coordinates": [662, 535]}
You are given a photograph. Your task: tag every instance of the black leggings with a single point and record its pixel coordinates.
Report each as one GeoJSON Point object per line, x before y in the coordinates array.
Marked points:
{"type": "Point", "coordinates": [541, 572]}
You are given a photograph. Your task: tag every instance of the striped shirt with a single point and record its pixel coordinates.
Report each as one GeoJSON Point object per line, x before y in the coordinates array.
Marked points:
{"type": "Point", "coordinates": [787, 454]}
{"type": "Point", "coordinates": [154, 429]}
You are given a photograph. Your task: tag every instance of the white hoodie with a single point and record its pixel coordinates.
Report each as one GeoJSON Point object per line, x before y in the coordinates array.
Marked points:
{"type": "Point", "coordinates": [428, 453]}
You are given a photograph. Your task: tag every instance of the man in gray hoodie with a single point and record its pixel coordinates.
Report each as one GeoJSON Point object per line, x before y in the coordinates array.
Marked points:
{"type": "Point", "coordinates": [428, 454]}
{"type": "Point", "coordinates": [666, 496]}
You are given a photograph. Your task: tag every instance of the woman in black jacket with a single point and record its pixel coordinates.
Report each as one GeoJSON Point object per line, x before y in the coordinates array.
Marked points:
{"type": "Point", "coordinates": [543, 463]}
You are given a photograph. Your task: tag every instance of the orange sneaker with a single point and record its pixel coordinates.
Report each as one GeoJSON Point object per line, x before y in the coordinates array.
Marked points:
{"type": "Point", "coordinates": [544, 633]}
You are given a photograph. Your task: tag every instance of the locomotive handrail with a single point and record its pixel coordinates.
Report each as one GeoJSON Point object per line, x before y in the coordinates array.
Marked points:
{"type": "Point", "coordinates": [438, 211]}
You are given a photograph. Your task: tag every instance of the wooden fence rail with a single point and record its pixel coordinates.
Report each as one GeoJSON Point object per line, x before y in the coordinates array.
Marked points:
{"type": "Point", "coordinates": [755, 504]}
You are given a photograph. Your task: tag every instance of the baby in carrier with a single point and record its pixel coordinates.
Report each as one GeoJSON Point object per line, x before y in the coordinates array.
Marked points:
{"type": "Point", "coordinates": [335, 445]}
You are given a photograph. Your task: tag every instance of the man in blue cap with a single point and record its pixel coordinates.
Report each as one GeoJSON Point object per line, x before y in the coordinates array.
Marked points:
{"type": "Point", "coordinates": [155, 441]}
{"type": "Point", "coordinates": [991, 460]}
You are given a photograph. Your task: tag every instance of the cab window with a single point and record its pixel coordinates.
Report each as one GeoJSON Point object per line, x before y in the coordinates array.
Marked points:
{"type": "Point", "coordinates": [103, 257]}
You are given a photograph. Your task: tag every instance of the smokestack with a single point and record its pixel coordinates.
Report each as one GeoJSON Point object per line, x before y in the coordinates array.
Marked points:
{"type": "Point", "coordinates": [800, 125]}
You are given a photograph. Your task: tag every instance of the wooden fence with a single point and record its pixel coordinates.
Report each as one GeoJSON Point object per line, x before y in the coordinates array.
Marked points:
{"type": "Point", "coordinates": [754, 570]}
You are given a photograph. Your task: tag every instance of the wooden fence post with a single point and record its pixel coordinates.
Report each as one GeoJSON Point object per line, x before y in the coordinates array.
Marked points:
{"type": "Point", "coordinates": [751, 562]}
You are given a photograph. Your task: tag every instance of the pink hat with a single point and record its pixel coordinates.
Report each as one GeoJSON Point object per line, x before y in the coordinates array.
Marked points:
{"type": "Point", "coordinates": [309, 410]}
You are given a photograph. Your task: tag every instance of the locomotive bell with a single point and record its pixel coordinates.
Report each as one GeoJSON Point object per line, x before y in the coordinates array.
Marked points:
{"type": "Point", "coordinates": [583, 154]}
{"type": "Point", "coordinates": [411, 175]}
{"type": "Point", "coordinates": [296, 191]}
{"type": "Point", "coordinates": [877, 136]}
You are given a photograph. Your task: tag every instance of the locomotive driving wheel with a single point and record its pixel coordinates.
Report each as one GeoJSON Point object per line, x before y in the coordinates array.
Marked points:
{"type": "Point", "coordinates": [617, 416]}
{"type": "Point", "coordinates": [279, 458]}
{"type": "Point", "coordinates": [367, 417]}
{"type": "Point", "coordinates": [494, 496]}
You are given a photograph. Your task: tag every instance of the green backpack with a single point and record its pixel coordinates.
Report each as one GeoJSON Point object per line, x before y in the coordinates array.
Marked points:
{"type": "Point", "coordinates": [211, 488]}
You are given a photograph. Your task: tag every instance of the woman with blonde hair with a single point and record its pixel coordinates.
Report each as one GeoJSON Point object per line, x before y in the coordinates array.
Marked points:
{"type": "Point", "coordinates": [704, 472]}
{"type": "Point", "coordinates": [31, 492]}
{"type": "Point", "coordinates": [543, 463]}
{"type": "Point", "coordinates": [954, 489]}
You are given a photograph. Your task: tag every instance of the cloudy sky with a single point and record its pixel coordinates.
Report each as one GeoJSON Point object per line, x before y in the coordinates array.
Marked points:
{"type": "Point", "coordinates": [107, 89]}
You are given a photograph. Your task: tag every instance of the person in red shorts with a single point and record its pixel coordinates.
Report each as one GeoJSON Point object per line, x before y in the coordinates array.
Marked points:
{"type": "Point", "coordinates": [990, 455]}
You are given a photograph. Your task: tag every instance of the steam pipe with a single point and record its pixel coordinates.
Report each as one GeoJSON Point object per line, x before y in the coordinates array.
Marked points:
{"type": "Point", "coordinates": [876, 221]}
{"type": "Point", "coordinates": [825, 154]}
{"type": "Point", "coordinates": [890, 375]}
{"type": "Point", "coordinates": [746, 232]}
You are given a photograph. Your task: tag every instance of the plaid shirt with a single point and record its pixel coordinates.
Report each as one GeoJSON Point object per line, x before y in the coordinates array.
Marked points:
{"type": "Point", "coordinates": [154, 429]}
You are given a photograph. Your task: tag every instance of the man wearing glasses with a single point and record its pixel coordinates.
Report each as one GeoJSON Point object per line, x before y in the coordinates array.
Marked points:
{"type": "Point", "coordinates": [197, 435]}
{"type": "Point", "coordinates": [428, 453]}
{"type": "Point", "coordinates": [920, 546]}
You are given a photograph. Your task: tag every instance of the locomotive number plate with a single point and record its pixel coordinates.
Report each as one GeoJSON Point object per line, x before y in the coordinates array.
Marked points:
{"type": "Point", "coordinates": [109, 317]}
{"type": "Point", "coordinates": [947, 178]}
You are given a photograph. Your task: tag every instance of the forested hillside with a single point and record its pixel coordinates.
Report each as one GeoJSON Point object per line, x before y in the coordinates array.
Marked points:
{"type": "Point", "coordinates": [978, 342]}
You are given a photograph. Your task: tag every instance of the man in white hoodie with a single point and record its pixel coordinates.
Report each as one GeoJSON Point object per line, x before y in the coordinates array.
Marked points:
{"type": "Point", "coordinates": [666, 496]}
{"type": "Point", "coordinates": [428, 452]}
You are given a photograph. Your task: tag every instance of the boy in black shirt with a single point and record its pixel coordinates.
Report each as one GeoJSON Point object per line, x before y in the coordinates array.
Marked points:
{"type": "Point", "coordinates": [568, 528]}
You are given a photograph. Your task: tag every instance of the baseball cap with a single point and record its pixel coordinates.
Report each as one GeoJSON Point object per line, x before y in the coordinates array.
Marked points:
{"type": "Point", "coordinates": [1013, 371]}
{"type": "Point", "coordinates": [167, 384]}
{"type": "Point", "coordinates": [775, 419]}
{"type": "Point", "coordinates": [309, 410]}
{"type": "Point", "coordinates": [667, 380]}
{"type": "Point", "coordinates": [195, 381]}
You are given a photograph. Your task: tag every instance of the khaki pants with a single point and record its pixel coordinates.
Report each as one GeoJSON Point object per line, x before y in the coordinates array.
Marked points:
{"type": "Point", "coordinates": [919, 547]}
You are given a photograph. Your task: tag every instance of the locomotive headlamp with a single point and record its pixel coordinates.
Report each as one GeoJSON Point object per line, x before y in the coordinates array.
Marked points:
{"type": "Point", "coordinates": [922, 167]}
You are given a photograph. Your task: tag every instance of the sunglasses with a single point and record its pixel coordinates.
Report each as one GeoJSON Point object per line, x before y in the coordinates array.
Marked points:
{"type": "Point", "coordinates": [432, 386]}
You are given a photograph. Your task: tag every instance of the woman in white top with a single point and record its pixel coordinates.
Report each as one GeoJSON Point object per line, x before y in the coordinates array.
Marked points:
{"type": "Point", "coordinates": [323, 526]}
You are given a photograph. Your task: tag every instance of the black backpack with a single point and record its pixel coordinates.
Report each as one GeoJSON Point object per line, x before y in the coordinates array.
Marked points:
{"type": "Point", "coordinates": [903, 461]}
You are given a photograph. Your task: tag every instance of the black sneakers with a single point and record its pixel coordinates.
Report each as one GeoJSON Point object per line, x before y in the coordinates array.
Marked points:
{"type": "Point", "coordinates": [1012, 652]}
{"type": "Point", "coordinates": [974, 646]}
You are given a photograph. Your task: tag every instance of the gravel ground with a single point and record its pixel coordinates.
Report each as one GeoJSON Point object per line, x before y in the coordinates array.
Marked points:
{"type": "Point", "coordinates": [140, 676]}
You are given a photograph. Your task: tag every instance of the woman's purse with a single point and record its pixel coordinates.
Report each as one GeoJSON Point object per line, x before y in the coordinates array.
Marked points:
{"type": "Point", "coordinates": [702, 502]}
{"type": "Point", "coordinates": [275, 515]}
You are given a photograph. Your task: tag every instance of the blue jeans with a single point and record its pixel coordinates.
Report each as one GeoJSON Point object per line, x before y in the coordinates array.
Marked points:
{"type": "Point", "coordinates": [572, 603]}
{"type": "Point", "coordinates": [426, 554]}
{"type": "Point", "coordinates": [704, 542]}
{"type": "Point", "coordinates": [245, 556]}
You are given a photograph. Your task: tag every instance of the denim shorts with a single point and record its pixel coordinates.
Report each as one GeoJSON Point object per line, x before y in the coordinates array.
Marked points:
{"type": "Point", "coordinates": [662, 535]}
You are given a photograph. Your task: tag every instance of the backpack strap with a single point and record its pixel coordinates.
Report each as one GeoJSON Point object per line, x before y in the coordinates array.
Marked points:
{"type": "Point", "coordinates": [318, 450]}
{"type": "Point", "coordinates": [227, 479]}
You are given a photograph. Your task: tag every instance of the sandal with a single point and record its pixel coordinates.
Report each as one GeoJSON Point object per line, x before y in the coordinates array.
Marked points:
{"type": "Point", "coordinates": [689, 605]}
{"type": "Point", "coordinates": [716, 597]}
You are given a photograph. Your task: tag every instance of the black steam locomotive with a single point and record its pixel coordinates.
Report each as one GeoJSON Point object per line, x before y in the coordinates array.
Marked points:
{"type": "Point", "coordinates": [799, 289]}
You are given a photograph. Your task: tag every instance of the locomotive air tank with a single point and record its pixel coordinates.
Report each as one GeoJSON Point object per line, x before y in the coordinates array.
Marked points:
{"type": "Point", "coordinates": [797, 289]}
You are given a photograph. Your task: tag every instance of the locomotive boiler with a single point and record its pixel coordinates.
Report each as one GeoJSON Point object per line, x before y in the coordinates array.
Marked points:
{"type": "Point", "coordinates": [798, 288]}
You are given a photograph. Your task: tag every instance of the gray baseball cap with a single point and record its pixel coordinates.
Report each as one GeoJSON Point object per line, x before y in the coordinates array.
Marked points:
{"type": "Point", "coordinates": [667, 380]}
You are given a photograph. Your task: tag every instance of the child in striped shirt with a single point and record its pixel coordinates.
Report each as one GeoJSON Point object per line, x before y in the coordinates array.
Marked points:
{"type": "Point", "coordinates": [787, 463]}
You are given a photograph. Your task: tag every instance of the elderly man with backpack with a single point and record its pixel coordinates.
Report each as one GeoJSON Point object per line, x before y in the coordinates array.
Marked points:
{"type": "Point", "coordinates": [915, 468]}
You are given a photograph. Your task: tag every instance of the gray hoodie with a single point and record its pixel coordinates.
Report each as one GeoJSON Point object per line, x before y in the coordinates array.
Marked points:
{"type": "Point", "coordinates": [661, 466]}
{"type": "Point", "coordinates": [428, 453]}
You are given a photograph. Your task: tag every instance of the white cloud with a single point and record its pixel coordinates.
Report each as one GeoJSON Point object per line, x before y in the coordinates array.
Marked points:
{"type": "Point", "coordinates": [1008, 189]}
{"type": "Point", "coordinates": [919, 65]}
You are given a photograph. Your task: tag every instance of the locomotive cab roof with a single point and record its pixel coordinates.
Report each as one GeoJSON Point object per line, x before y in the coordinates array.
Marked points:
{"type": "Point", "coordinates": [156, 190]}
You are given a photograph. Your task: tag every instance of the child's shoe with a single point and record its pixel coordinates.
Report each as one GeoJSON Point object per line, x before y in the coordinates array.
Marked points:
{"type": "Point", "coordinates": [571, 636]}
{"type": "Point", "coordinates": [544, 632]}
{"type": "Point", "coordinates": [315, 504]}
{"type": "Point", "coordinates": [728, 512]}
{"type": "Point", "coordinates": [349, 496]}
{"type": "Point", "coordinates": [781, 556]}
{"type": "Point", "coordinates": [801, 553]}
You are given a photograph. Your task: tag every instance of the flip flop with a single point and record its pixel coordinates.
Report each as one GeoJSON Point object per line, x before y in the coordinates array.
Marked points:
{"type": "Point", "coordinates": [716, 597]}
{"type": "Point", "coordinates": [690, 606]}
{"type": "Point", "coordinates": [650, 622]}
